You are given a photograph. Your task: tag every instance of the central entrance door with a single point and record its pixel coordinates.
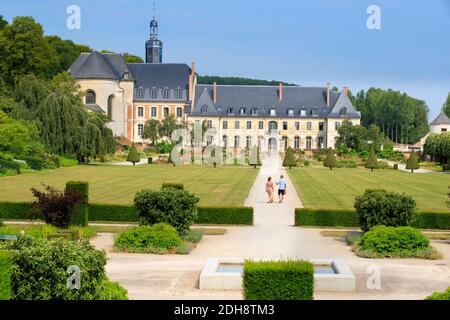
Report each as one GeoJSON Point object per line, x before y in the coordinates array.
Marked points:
{"type": "Point", "coordinates": [273, 146]}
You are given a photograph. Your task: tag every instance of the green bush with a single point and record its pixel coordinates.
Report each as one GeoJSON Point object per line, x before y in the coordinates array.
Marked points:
{"type": "Point", "coordinates": [372, 162]}
{"type": "Point", "coordinates": [80, 216]}
{"type": "Point", "coordinates": [379, 207]}
{"type": "Point", "coordinates": [348, 218]}
{"type": "Point", "coordinates": [178, 186]}
{"type": "Point", "coordinates": [175, 207]}
{"type": "Point", "coordinates": [159, 238]}
{"type": "Point", "coordinates": [225, 216]}
{"type": "Point", "coordinates": [5, 275]}
{"type": "Point", "coordinates": [394, 242]}
{"type": "Point", "coordinates": [440, 296]}
{"type": "Point", "coordinates": [330, 160]}
{"type": "Point", "coordinates": [164, 147]}
{"type": "Point", "coordinates": [35, 163]}
{"type": "Point", "coordinates": [40, 269]}
{"type": "Point", "coordinates": [346, 164]}
{"type": "Point", "coordinates": [194, 235]}
{"type": "Point", "coordinates": [112, 291]}
{"type": "Point", "coordinates": [278, 280]}
{"type": "Point", "coordinates": [306, 163]}
{"type": "Point", "coordinates": [133, 155]}
{"type": "Point", "coordinates": [9, 165]}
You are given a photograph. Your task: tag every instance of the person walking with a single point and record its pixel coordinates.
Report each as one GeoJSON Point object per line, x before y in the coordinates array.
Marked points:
{"type": "Point", "coordinates": [269, 189]}
{"type": "Point", "coordinates": [281, 188]}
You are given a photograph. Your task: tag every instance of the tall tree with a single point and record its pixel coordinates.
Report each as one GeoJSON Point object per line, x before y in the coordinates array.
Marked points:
{"type": "Point", "coordinates": [168, 126]}
{"type": "Point", "coordinates": [3, 23]}
{"type": "Point", "coordinates": [151, 130]}
{"type": "Point", "coordinates": [133, 155]}
{"type": "Point", "coordinates": [289, 159]}
{"type": "Point", "coordinates": [372, 161]}
{"type": "Point", "coordinates": [330, 160]}
{"type": "Point", "coordinates": [129, 58]}
{"type": "Point", "coordinates": [446, 107]}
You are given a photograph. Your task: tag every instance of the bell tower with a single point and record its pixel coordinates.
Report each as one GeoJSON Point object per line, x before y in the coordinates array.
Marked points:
{"type": "Point", "coordinates": [154, 46]}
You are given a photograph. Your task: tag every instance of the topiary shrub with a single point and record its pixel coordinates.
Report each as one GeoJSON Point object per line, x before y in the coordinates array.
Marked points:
{"type": "Point", "coordinates": [110, 290]}
{"type": "Point", "coordinates": [379, 207]}
{"type": "Point", "coordinates": [159, 238]}
{"type": "Point", "coordinates": [330, 160]}
{"type": "Point", "coordinates": [278, 280]}
{"type": "Point", "coordinates": [80, 216]}
{"type": "Point", "coordinates": [5, 275]}
{"type": "Point", "coordinates": [170, 205]}
{"type": "Point", "coordinates": [394, 242]}
{"type": "Point", "coordinates": [289, 159]}
{"type": "Point", "coordinates": [440, 296]}
{"type": "Point", "coordinates": [54, 206]}
{"type": "Point", "coordinates": [372, 162]}
{"type": "Point", "coordinates": [133, 155]}
{"type": "Point", "coordinates": [40, 269]}
{"type": "Point", "coordinates": [178, 186]}
{"type": "Point", "coordinates": [413, 162]}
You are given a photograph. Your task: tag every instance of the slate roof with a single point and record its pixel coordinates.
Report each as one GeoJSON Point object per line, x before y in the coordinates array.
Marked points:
{"type": "Point", "coordinates": [95, 108]}
{"type": "Point", "coordinates": [441, 119]}
{"type": "Point", "coordinates": [97, 65]}
{"type": "Point", "coordinates": [261, 99]}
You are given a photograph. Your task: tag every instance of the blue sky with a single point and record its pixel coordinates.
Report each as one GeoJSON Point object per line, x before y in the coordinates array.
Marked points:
{"type": "Point", "coordinates": [305, 42]}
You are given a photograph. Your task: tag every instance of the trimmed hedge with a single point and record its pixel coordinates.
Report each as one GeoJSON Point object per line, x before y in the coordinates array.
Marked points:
{"type": "Point", "coordinates": [14, 210]}
{"type": "Point", "coordinates": [5, 275]}
{"type": "Point", "coordinates": [278, 280]}
{"type": "Point", "coordinates": [230, 215]}
{"type": "Point", "coordinates": [80, 216]}
{"type": "Point", "coordinates": [113, 213]}
{"type": "Point", "coordinates": [349, 219]}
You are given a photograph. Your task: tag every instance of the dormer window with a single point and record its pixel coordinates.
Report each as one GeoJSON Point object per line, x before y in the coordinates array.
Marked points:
{"type": "Point", "coordinates": [204, 108]}
{"type": "Point", "coordinates": [243, 112]}
{"type": "Point", "coordinates": [140, 93]}
{"type": "Point", "coordinates": [254, 112]}
{"type": "Point", "coordinates": [343, 111]}
{"type": "Point", "coordinates": [273, 112]}
{"type": "Point", "coordinates": [166, 94]}
{"type": "Point", "coordinates": [154, 94]}
{"type": "Point", "coordinates": [126, 75]}
{"type": "Point", "coordinates": [230, 111]}
{"type": "Point", "coordinates": [303, 113]}
{"type": "Point", "coordinates": [314, 112]}
{"type": "Point", "coordinates": [291, 112]}
{"type": "Point", "coordinates": [178, 94]}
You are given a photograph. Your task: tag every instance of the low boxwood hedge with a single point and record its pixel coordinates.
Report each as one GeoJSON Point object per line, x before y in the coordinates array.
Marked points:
{"type": "Point", "coordinates": [5, 275]}
{"type": "Point", "coordinates": [348, 218]}
{"type": "Point", "coordinates": [128, 213]}
{"type": "Point", "coordinates": [278, 280]}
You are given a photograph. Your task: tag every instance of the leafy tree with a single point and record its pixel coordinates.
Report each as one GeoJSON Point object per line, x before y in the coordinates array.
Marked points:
{"type": "Point", "coordinates": [3, 23]}
{"type": "Point", "coordinates": [133, 155]}
{"type": "Point", "coordinates": [151, 130]}
{"type": "Point", "coordinates": [289, 158]}
{"type": "Point", "coordinates": [24, 50]}
{"type": "Point", "coordinates": [168, 126]}
{"type": "Point", "coordinates": [330, 160]}
{"type": "Point", "coordinates": [129, 58]}
{"type": "Point", "coordinates": [352, 137]}
{"type": "Point", "coordinates": [255, 157]}
{"type": "Point", "coordinates": [413, 162]}
{"type": "Point", "coordinates": [446, 107]}
{"type": "Point", "coordinates": [438, 146]}
{"type": "Point", "coordinates": [372, 161]}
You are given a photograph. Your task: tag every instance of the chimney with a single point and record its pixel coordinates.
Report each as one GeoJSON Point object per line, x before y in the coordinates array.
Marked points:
{"type": "Point", "coordinates": [281, 91]}
{"type": "Point", "coordinates": [346, 91]}
{"type": "Point", "coordinates": [191, 82]}
{"type": "Point", "coordinates": [215, 92]}
{"type": "Point", "coordinates": [328, 94]}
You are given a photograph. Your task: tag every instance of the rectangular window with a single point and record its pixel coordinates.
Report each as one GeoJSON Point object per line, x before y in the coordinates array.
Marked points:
{"type": "Point", "coordinates": [237, 141]}
{"type": "Point", "coordinates": [337, 125]}
{"type": "Point", "coordinates": [273, 113]}
{"type": "Point", "coordinates": [249, 142]}
{"type": "Point", "coordinates": [261, 125]}
{"type": "Point", "coordinates": [309, 127]}
{"type": "Point", "coordinates": [321, 126]}
{"type": "Point", "coordinates": [297, 143]}
{"type": "Point", "coordinates": [209, 124]}
{"type": "Point", "coordinates": [179, 112]}
{"type": "Point", "coordinates": [320, 143]}
{"type": "Point", "coordinates": [209, 140]}
{"type": "Point", "coordinates": [303, 113]}
{"type": "Point", "coordinates": [225, 125]}
{"type": "Point", "coordinates": [140, 130]}
{"type": "Point", "coordinates": [166, 112]}
{"type": "Point", "coordinates": [140, 112]}
{"type": "Point", "coordinates": [237, 125]}
{"type": "Point", "coordinates": [291, 112]}
{"type": "Point", "coordinates": [154, 112]}
{"type": "Point", "coordinates": [249, 124]}
{"type": "Point", "coordinates": [285, 125]}
{"type": "Point", "coordinates": [297, 125]}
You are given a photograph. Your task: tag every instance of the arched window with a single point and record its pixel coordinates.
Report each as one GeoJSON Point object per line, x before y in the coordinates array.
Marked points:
{"type": "Point", "coordinates": [140, 93]}
{"type": "Point", "coordinates": [297, 143]}
{"type": "Point", "coordinates": [243, 112]}
{"type": "Point", "coordinates": [178, 94]}
{"type": "Point", "coordinates": [140, 112]}
{"type": "Point", "coordinates": [254, 112]}
{"type": "Point", "coordinates": [344, 111]}
{"type": "Point", "coordinates": [314, 111]}
{"type": "Point", "coordinates": [154, 94]}
{"type": "Point", "coordinates": [90, 97]}
{"type": "Point", "coordinates": [204, 108]}
{"type": "Point", "coordinates": [110, 106]}
{"type": "Point", "coordinates": [308, 143]}
{"type": "Point", "coordinates": [273, 126]}
{"type": "Point", "coordinates": [166, 94]}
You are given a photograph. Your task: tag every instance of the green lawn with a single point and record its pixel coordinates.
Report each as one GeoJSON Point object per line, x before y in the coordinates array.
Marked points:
{"type": "Point", "coordinates": [320, 188]}
{"type": "Point", "coordinates": [225, 186]}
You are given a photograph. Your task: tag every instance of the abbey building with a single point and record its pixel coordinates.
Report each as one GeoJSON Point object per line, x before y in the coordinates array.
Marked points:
{"type": "Point", "coordinates": [273, 117]}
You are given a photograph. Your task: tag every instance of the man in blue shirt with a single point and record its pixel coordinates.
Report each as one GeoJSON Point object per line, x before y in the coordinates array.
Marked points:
{"type": "Point", "coordinates": [281, 188]}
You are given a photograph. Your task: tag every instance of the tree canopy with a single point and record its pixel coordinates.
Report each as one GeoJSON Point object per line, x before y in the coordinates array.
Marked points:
{"type": "Point", "coordinates": [446, 106]}
{"type": "Point", "coordinates": [238, 81]}
{"type": "Point", "coordinates": [438, 146]}
{"type": "Point", "coordinates": [330, 160]}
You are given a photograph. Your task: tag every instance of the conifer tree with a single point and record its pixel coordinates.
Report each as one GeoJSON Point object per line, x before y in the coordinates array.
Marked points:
{"type": "Point", "coordinates": [372, 161]}
{"type": "Point", "coordinates": [413, 162]}
{"type": "Point", "coordinates": [330, 160]}
{"type": "Point", "coordinates": [289, 159]}
{"type": "Point", "coordinates": [133, 155]}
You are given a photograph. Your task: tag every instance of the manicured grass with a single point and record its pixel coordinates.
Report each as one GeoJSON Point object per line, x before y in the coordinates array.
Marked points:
{"type": "Point", "coordinates": [225, 186]}
{"type": "Point", "coordinates": [320, 188]}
